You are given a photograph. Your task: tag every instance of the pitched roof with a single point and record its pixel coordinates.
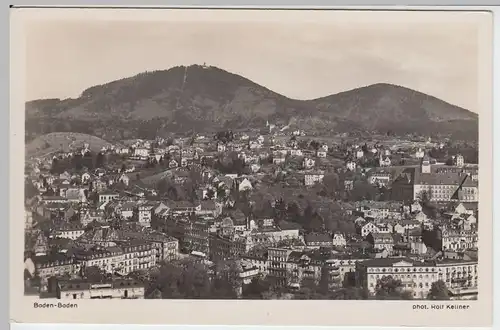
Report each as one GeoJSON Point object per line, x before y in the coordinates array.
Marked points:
{"type": "Point", "coordinates": [390, 262]}
{"type": "Point", "coordinates": [108, 192]}
{"type": "Point", "coordinates": [208, 205]}
{"type": "Point", "coordinates": [67, 226]}
{"type": "Point", "coordinates": [437, 178]}
{"type": "Point", "coordinates": [100, 234]}
{"type": "Point", "coordinates": [381, 235]}
{"type": "Point", "coordinates": [318, 237]}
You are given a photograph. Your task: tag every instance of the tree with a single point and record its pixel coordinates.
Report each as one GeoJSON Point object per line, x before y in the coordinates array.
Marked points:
{"type": "Point", "coordinates": [77, 162]}
{"type": "Point", "coordinates": [325, 281]}
{"type": "Point", "coordinates": [221, 192]}
{"type": "Point", "coordinates": [428, 207]}
{"type": "Point", "coordinates": [163, 186]}
{"type": "Point", "coordinates": [30, 190]}
{"type": "Point", "coordinates": [93, 274]}
{"type": "Point", "coordinates": [363, 191]}
{"type": "Point", "coordinates": [258, 288]}
{"type": "Point", "coordinates": [99, 160]}
{"type": "Point", "coordinates": [315, 223]}
{"type": "Point", "coordinates": [49, 192]}
{"type": "Point", "coordinates": [93, 197]}
{"type": "Point", "coordinates": [293, 212]}
{"type": "Point", "coordinates": [224, 136]}
{"type": "Point", "coordinates": [210, 194]}
{"type": "Point", "coordinates": [54, 169]}
{"type": "Point", "coordinates": [314, 145]}
{"type": "Point", "coordinates": [389, 288]}
{"type": "Point", "coordinates": [183, 279]}
{"type": "Point", "coordinates": [308, 214]}
{"type": "Point", "coordinates": [195, 281]}
{"type": "Point", "coordinates": [310, 290]}
{"type": "Point", "coordinates": [424, 196]}
{"type": "Point", "coordinates": [226, 284]}
{"type": "Point", "coordinates": [88, 160]}
{"type": "Point", "coordinates": [438, 291]}
{"type": "Point", "coordinates": [293, 163]}
{"type": "Point", "coordinates": [331, 184]}
{"type": "Point", "coordinates": [195, 176]}
{"type": "Point", "coordinates": [351, 293]}
{"type": "Point", "coordinates": [384, 193]}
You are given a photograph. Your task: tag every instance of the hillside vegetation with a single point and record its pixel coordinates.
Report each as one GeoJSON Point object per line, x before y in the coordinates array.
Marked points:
{"type": "Point", "coordinates": [62, 141]}
{"type": "Point", "coordinates": [195, 98]}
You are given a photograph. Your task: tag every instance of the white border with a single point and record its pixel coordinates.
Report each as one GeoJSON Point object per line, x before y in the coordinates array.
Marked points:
{"type": "Point", "coordinates": [496, 11]}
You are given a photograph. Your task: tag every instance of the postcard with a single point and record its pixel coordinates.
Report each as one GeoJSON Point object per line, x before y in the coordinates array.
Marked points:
{"type": "Point", "coordinates": [251, 167]}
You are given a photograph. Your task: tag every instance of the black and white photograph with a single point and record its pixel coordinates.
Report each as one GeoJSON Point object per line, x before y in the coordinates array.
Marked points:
{"type": "Point", "coordinates": [260, 159]}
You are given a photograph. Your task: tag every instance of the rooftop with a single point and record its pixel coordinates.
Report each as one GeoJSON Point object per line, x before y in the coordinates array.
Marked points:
{"type": "Point", "coordinates": [75, 285]}
{"type": "Point", "coordinates": [393, 262]}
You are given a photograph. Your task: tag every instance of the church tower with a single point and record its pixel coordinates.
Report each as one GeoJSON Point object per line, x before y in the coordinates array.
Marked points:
{"type": "Point", "coordinates": [425, 165]}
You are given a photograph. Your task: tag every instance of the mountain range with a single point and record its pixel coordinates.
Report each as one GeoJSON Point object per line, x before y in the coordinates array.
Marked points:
{"type": "Point", "coordinates": [206, 99]}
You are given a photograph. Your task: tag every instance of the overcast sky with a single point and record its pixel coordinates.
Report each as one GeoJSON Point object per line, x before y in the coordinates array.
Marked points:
{"type": "Point", "coordinates": [300, 59]}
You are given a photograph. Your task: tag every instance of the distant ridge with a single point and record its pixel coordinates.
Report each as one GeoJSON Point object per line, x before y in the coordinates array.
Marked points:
{"type": "Point", "coordinates": [198, 98]}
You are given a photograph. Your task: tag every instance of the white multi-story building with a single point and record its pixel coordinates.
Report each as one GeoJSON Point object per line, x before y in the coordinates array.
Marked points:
{"type": "Point", "coordinates": [459, 160]}
{"type": "Point", "coordinates": [417, 277]}
{"type": "Point", "coordinates": [351, 166]}
{"type": "Point", "coordinates": [116, 289]}
{"type": "Point", "coordinates": [141, 152]}
{"type": "Point", "coordinates": [69, 231]}
{"type": "Point", "coordinates": [313, 177]}
{"type": "Point", "coordinates": [145, 213]}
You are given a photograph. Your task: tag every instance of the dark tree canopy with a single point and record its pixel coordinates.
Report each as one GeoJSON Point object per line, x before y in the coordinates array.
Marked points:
{"type": "Point", "coordinates": [438, 291]}
{"type": "Point", "coordinates": [389, 288]}
{"type": "Point", "coordinates": [187, 279]}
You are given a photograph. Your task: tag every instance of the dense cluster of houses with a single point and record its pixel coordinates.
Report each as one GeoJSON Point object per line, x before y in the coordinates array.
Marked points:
{"type": "Point", "coordinates": [114, 220]}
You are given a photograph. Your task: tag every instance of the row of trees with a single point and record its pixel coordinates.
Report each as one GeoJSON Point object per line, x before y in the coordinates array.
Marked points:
{"type": "Point", "coordinates": [387, 288]}
{"type": "Point", "coordinates": [167, 187]}
{"type": "Point", "coordinates": [78, 162]}
{"type": "Point", "coordinates": [469, 152]}
{"type": "Point", "coordinates": [231, 164]}
{"type": "Point", "coordinates": [188, 279]}
{"type": "Point", "coordinates": [311, 212]}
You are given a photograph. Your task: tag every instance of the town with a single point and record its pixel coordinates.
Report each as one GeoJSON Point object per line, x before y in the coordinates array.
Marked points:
{"type": "Point", "coordinates": [257, 214]}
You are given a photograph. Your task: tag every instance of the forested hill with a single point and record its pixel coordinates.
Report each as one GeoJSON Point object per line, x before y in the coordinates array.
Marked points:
{"type": "Point", "coordinates": [202, 99]}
